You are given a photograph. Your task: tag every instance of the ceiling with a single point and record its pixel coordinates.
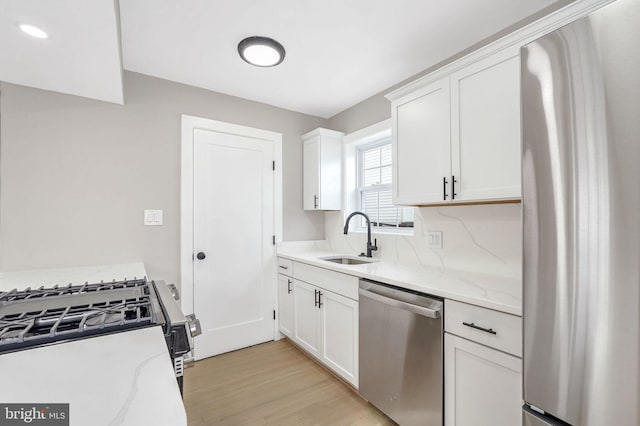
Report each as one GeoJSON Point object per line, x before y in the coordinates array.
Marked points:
{"type": "Point", "coordinates": [338, 52]}
{"type": "Point", "coordinates": [80, 57]}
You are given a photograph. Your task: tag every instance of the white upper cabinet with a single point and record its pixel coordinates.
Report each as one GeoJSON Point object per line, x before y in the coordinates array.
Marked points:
{"type": "Point", "coordinates": [311, 173]}
{"type": "Point", "coordinates": [421, 145]}
{"type": "Point", "coordinates": [322, 170]}
{"type": "Point", "coordinates": [457, 138]}
{"type": "Point", "coordinates": [485, 129]}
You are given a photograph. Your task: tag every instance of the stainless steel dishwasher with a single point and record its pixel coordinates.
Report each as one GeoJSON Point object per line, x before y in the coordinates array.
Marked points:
{"type": "Point", "coordinates": [401, 355]}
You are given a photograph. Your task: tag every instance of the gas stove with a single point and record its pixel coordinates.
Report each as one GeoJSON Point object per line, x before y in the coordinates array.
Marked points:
{"type": "Point", "coordinates": [44, 315]}
{"type": "Point", "coordinates": [35, 317]}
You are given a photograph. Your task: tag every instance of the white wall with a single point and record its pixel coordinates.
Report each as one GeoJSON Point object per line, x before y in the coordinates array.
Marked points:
{"type": "Point", "coordinates": [76, 174]}
{"type": "Point", "coordinates": [479, 238]}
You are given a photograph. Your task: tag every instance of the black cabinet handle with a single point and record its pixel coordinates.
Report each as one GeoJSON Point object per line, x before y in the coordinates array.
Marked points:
{"type": "Point", "coordinates": [453, 187]}
{"type": "Point", "coordinates": [320, 299]}
{"type": "Point", "coordinates": [283, 267]}
{"type": "Point", "coordinates": [201, 255]}
{"type": "Point", "coordinates": [444, 188]}
{"type": "Point", "coordinates": [289, 286]}
{"type": "Point", "coordinates": [315, 298]}
{"type": "Point", "coordinates": [315, 201]}
{"type": "Point", "coordinates": [486, 330]}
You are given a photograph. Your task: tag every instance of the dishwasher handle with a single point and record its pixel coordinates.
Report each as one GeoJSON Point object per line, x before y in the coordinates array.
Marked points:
{"type": "Point", "coordinates": [420, 310]}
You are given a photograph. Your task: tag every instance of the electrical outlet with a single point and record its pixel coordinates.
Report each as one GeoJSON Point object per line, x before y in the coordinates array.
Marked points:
{"type": "Point", "coordinates": [434, 239]}
{"type": "Point", "coordinates": [153, 217]}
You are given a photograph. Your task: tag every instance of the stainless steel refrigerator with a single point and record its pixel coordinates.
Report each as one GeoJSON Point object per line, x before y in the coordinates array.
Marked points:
{"type": "Point", "coordinates": [581, 210]}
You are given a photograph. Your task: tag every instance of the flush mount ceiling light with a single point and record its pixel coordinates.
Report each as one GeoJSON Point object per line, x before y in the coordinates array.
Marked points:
{"type": "Point", "coordinates": [261, 51]}
{"type": "Point", "coordinates": [33, 31]}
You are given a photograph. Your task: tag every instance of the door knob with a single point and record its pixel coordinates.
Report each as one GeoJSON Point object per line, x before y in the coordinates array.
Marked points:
{"type": "Point", "coordinates": [201, 255]}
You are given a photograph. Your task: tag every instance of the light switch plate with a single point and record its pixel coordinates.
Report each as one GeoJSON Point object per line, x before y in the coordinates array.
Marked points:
{"type": "Point", "coordinates": [153, 217]}
{"type": "Point", "coordinates": [434, 239]}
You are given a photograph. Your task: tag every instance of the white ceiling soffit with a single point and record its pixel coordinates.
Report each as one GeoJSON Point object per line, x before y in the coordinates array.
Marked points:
{"type": "Point", "coordinates": [337, 52]}
{"type": "Point", "coordinates": [80, 57]}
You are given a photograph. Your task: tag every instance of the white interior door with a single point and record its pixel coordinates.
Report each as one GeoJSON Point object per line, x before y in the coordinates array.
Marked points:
{"type": "Point", "coordinates": [233, 225]}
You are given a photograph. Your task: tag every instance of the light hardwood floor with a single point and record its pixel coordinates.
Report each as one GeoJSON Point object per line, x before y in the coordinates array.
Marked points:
{"type": "Point", "coordinates": [271, 384]}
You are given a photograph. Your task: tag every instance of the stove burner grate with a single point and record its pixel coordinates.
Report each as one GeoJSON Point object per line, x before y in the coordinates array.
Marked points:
{"type": "Point", "coordinates": [39, 316]}
{"type": "Point", "coordinates": [41, 292]}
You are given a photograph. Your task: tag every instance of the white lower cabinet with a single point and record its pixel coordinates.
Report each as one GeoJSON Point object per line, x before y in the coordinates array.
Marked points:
{"type": "Point", "coordinates": [306, 317]}
{"type": "Point", "coordinates": [325, 324]}
{"type": "Point", "coordinates": [285, 305]}
{"type": "Point", "coordinates": [483, 386]}
{"type": "Point", "coordinates": [322, 322]}
{"type": "Point", "coordinates": [340, 335]}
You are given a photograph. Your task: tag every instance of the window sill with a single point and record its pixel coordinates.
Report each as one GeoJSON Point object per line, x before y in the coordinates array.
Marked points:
{"type": "Point", "coordinates": [407, 232]}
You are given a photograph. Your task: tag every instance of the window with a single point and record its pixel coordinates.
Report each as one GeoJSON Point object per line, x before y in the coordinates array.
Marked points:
{"type": "Point", "coordinates": [374, 188]}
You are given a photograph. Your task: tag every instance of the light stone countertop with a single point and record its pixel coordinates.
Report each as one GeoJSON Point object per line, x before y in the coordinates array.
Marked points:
{"type": "Point", "coordinates": [76, 275]}
{"type": "Point", "coordinates": [490, 291]}
{"type": "Point", "coordinates": [123, 378]}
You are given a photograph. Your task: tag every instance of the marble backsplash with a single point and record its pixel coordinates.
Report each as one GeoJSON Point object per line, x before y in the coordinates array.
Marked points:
{"type": "Point", "coordinates": [478, 238]}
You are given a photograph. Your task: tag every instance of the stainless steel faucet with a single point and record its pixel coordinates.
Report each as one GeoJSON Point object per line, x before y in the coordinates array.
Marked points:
{"type": "Point", "coordinates": [370, 247]}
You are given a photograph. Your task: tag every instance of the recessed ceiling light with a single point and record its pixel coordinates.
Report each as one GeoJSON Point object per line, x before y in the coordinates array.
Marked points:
{"type": "Point", "coordinates": [32, 31]}
{"type": "Point", "coordinates": [261, 51]}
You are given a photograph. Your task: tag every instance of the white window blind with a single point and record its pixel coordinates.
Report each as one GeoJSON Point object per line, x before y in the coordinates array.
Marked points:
{"type": "Point", "coordinates": [374, 187]}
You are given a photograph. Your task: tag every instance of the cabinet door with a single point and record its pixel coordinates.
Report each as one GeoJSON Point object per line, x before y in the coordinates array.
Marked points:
{"type": "Point", "coordinates": [485, 129]}
{"type": "Point", "coordinates": [422, 145]}
{"type": "Point", "coordinates": [306, 317]}
{"type": "Point", "coordinates": [285, 305]}
{"type": "Point", "coordinates": [330, 173]}
{"type": "Point", "coordinates": [340, 335]}
{"type": "Point", "coordinates": [483, 386]}
{"type": "Point", "coordinates": [311, 171]}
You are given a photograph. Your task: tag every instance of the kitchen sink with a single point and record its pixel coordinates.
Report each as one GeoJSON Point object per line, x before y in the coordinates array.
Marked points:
{"type": "Point", "coordinates": [345, 260]}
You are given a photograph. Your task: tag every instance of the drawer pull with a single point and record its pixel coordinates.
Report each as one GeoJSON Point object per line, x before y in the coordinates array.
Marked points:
{"type": "Point", "coordinates": [283, 267]}
{"type": "Point", "coordinates": [486, 330]}
{"type": "Point", "coordinates": [289, 286]}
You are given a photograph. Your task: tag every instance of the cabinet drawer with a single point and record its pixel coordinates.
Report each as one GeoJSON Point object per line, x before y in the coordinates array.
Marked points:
{"type": "Point", "coordinates": [336, 282]}
{"type": "Point", "coordinates": [501, 331]}
{"type": "Point", "coordinates": [285, 266]}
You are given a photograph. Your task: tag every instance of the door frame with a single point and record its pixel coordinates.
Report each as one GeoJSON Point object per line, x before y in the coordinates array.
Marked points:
{"type": "Point", "coordinates": [189, 125]}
